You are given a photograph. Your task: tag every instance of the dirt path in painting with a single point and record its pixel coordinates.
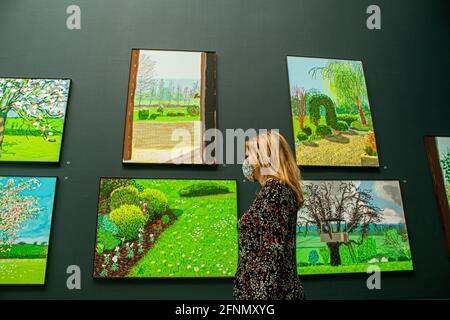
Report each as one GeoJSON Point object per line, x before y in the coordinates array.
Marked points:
{"type": "Point", "coordinates": [332, 153]}
{"type": "Point", "coordinates": [152, 142]}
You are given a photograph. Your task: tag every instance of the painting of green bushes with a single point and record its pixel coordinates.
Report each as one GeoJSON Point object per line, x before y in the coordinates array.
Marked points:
{"type": "Point", "coordinates": [331, 116]}
{"type": "Point", "coordinates": [166, 228]}
{"type": "Point", "coordinates": [349, 226]}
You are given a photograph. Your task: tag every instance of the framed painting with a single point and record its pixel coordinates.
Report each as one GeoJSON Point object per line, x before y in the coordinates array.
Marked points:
{"type": "Point", "coordinates": [171, 103]}
{"type": "Point", "coordinates": [348, 226]}
{"type": "Point", "coordinates": [32, 115]}
{"type": "Point", "coordinates": [166, 228]}
{"type": "Point", "coordinates": [438, 153]}
{"type": "Point", "coordinates": [330, 110]}
{"type": "Point", "coordinates": [26, 206]}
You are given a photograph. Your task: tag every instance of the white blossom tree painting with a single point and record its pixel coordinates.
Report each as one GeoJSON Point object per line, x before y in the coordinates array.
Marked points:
{"type": "Point", "coordinates": [26, 205]}
{"type": "Point", "coordinates": [32, 114]}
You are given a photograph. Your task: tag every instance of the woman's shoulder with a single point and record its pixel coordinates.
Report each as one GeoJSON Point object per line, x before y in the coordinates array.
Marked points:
{"type": "Point", "coordinates": [276, 189]}
{"type": "Point", "coordinates": [274, 185]}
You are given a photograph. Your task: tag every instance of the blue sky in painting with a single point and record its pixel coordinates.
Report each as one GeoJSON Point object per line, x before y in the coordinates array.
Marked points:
{"type": "Point", "coordinates": [298, 69]}
{"type": "Point", "coordinates": [389, 200]}
{"type": "Point", "coordinates": [38, 228]}
{"type": "Point", "coordinates": [386, 195]}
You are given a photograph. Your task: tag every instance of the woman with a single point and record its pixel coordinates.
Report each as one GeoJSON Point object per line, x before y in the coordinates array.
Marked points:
{"type": "Point", "coordinates": [267, 266]}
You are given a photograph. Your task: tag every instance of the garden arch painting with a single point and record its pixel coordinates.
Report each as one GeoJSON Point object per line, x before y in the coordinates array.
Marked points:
{"type": "Point", "coordinates": [347, 226]}
{"type": "Point", "coordinates": [171, 103]}
{"type": "Point", "coordinates": [166, 228]}
{"type": "Point", "coordinates": [331, 116]}
{"type": "Point", "coordinates": [26, 206]}
{"type": "Point", "coordinates": [32, 115]}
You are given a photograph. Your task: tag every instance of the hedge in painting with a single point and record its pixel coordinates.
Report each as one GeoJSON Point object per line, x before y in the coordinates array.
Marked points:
{"type": "Point", "coordinates": [331, 114]}
{"type": "Point", "coordinates": [346, 226]}
{"type": "Point", "coordinates": [25, 216]}
{"type": "Point", "coordinates": [150, 228]}
{"type": "Point", "coordinates": [32, 113]}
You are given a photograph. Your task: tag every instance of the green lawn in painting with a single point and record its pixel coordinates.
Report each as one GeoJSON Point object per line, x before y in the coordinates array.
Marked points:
{"type": "Point", "coordinates": [29, 251]}
{"type": "Point", "coordinates": [22, 144]}
{"type": "Point", "coordinates": [199, 241]}
{"type": "Point", "coordinates": [32, 148]}
{"type": "Point", "coordinates": [312, 243]}
{"type": "Point", "coordinates": [22, 271]}
{"type": "Point", "coordinates": [185, 117]}
{"type": "Point", "coordinates": [357, 268]}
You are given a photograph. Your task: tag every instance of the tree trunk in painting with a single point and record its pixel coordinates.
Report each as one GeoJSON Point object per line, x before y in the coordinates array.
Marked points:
{"type": "Point", "coordinates": [2, 131]}
{"type": "Point", "coordinates": [335, 257]}
{"type": "Point", "coordinates": [360, 110]}
{"type": "Point", "coordinates": [301, 121]}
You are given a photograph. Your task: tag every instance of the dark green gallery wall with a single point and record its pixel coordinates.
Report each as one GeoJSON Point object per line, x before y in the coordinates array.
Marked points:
{"type": "Point", "coordinates": [407, 68]}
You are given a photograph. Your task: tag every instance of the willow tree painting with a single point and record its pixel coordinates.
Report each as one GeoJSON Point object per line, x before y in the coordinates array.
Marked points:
{"type": "Point", "coordinates": [32, 114]}
{"type": "Point", "coordinates": [347, 226]}
{"type": "Point", "coordinates": [26, 205]}
{"type": "Point", "coordinates": [332, 121]}
{"type": "Point", "coordinates": [171, 102]}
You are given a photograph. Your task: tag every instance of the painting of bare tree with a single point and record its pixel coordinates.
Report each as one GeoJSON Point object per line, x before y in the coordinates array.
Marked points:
{"type": "Point", "coordinates": [347, 226]}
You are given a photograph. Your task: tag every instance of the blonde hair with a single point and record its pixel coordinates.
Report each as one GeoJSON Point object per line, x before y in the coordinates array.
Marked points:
{"type": "Point", "coordinates": [270, 152]}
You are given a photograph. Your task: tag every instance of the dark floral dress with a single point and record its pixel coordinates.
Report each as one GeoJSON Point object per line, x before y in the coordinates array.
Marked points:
{"type": "Point", "coordinates": [267, 265]}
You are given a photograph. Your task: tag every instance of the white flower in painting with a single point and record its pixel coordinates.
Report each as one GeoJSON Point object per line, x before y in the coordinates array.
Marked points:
{"type": "Point", "coordinates": [117, 248]}
{"type": "Point", "coordinates": [115, 258]}
{"type": "Point", "coordinates": [50, 133]}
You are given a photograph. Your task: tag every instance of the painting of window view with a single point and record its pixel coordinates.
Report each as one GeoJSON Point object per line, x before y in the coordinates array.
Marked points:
{"type": "Point", "coordinates": [166, 228]}
{"type": "Point", "coordinates": [331, 114]}
{"type": "Point", "coordinates": [349, 226]}
{"type": "Point", "coordinates": [171, 102]}
{"type": "Point", "coordinates": [32, 114]}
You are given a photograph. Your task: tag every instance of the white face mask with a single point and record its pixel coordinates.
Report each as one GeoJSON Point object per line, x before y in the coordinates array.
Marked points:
{"type": "Point", "coordinates": [248, 170]}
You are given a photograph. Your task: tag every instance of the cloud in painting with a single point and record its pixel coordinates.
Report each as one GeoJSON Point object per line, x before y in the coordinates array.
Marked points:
{"type": "Point", "coordinates": [389, 191]}
{"type": "Point", "coordinates": [391, 216]}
